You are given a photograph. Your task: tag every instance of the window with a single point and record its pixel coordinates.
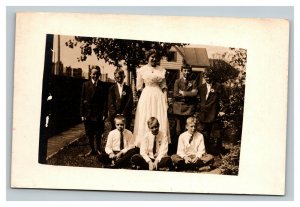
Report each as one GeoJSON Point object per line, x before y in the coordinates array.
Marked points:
{"type": "Point", "coordinates": [172, 57]}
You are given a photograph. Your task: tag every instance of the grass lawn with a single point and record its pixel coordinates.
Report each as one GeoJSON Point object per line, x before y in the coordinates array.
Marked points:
{"type": "Point", "coordinates": [72, 155]}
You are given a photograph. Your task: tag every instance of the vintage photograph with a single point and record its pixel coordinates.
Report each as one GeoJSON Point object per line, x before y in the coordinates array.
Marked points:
{"type": "Point", "coordinates": [142, 105]}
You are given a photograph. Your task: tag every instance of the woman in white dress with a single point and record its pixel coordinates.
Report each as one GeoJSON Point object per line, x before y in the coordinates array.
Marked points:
{"type": "Point", "coordinates": [153, 99]}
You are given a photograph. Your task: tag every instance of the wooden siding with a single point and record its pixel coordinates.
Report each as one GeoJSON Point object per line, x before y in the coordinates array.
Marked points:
{"type": "Point", "coordinates": [172, 65]}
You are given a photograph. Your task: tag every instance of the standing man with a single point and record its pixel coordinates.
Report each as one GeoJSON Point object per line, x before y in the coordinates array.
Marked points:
{"type": "Point", "coordinates": [211, 94]}
{"type": "Point", "coordinates": [120, 99]}
{"type": "Point", "coordinates": [185, 94]}
{"type": "Point", "coordinates": [93, 110]}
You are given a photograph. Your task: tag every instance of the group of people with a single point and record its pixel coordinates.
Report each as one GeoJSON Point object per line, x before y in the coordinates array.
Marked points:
{"type": "Point", "coordinates": [148, 146]}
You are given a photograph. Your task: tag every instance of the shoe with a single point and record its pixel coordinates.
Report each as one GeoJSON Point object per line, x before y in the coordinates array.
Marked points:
{"type": "Point", "coordinates": [204, 169]}
{"type": "Point", "coordinates": [90, 153]}
{"type": "Point", "coordinates": [111, 166]}
{"type": "Point", "coordinates": [164, 169]}
{"type": "Point", "coordinates": [178, 168]}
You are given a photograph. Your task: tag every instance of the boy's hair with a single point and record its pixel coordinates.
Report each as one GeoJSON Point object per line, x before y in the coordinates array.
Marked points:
{"type": "Point", "coordinates": [151, 121]}
{"type": "Point", "coordinates": [119, 71]}
{"type": "Point", "coordinates": [208, 73]}
{"type": "Point", "coordinates": [191, 120]}
{"type": "Point", "coordinates": [96, 67]}
{"type": "Point", "coordinates": [119, 117]}
{"type": "Point", "coordinates": [186, 66]}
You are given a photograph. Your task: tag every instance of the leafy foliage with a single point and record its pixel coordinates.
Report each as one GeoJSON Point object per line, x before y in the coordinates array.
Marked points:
{"type": "Point", "coordinates": [223, 71]}
{"type": "Point", "coordinates": [230, 69]}
{"type": "Point", "coordinates": [230, 161]}
{"type": "Point", "coordinates": [117, 51]}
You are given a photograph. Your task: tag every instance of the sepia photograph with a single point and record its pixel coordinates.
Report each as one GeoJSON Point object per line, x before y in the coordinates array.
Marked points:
{"type": "Point", "coordinates": [143, 103]}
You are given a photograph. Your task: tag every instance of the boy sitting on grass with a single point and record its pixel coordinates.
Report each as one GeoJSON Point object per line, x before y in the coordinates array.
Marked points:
{"type": "Point", "coordinates": [191, 149]}
{"type": "Point", "coordinates": [119, 146]}
{"type": "Point", "coordinates": [154, 148]}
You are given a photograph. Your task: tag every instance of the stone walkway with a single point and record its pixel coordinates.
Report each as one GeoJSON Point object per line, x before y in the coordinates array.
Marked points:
{"type": "Point", "coordinates": [62, 140]}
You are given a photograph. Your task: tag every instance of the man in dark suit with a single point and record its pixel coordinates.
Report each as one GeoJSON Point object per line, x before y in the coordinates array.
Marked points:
{"type": "Point", "coordinates": [120, 99]}
{"type": "Point", "coordinates": [93, 109]}
{"type": "Point", "coordinates": [211, 97]}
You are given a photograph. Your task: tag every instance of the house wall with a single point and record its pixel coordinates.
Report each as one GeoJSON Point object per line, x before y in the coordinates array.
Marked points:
{"type": "Point", "coordinates": [173, 65]}
{"type": "Point", "coordinates": [176, 65]}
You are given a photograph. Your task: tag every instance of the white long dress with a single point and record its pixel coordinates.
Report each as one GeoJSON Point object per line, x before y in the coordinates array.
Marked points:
{"type": "Point", "coordinates": [152, 102]}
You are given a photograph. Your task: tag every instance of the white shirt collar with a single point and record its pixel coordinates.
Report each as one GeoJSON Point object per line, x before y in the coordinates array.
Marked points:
{"type": "Point", "coordinates": [208, 86]}
{"type": "Point", "coordinates": [94, 81]}
{"type": "Point", "coordinates": [120, 85]}
{"type": "Point", "coordinates": [120, 88]}
{"type": "Point", "coordinates": [190, 133]}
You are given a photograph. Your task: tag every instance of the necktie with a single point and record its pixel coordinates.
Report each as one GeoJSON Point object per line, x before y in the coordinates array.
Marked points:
{"type": "Point", "coordinates": [191, 139]}
{"type": "Point", "coordinates": [121, 141]}
{"type": "Point", "coordinates": [154, 146]}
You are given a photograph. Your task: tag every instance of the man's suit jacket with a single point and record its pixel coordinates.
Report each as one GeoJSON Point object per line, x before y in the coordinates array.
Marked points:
{"type": "Point", "coordinates": [210, 107]}
{"type": "Point", "coordinates": [120, 105]}
{"type": "Point", "coordinates": [184, 105]}
{"type": "Point", "coordinates": [93, 101]}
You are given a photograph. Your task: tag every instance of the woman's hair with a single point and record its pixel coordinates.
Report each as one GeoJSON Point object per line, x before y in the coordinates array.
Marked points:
{"type": "Point", "coordinates": [150, 52]}
{"type": "Point", "coordinates": [151, 121]}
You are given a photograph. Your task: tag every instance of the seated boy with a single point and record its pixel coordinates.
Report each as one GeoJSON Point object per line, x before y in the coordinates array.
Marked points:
{"type": "Point", "coordinates": [119, 146]}
{"type": "Point", "coordinates": [190, 148]}
{"type": "Point", "coordinates": [154, 148]}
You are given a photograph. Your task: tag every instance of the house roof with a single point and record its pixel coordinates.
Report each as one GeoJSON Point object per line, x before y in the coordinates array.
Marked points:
{"type": "Point", "coordinates": [195, 57]}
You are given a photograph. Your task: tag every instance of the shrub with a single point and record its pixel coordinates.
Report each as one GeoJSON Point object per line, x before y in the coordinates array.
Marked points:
{"type": "Point", "coordinates": [230, 161]}
{"type": "Point", "coordinates": [229, 69]}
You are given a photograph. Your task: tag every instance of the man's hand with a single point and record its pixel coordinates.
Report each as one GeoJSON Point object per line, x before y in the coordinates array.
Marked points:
{"type": "Point", "coordinates": [83, 118]}
{"type": "Point", "coordinates": [221, 113]}
{"type": "Point", "coordinates": [195, 160]}
{"type": "Point", "coordinates": [180, 92]}
{"type": "Point", "coordinates": [112, 156]}
{"type": "Point", "coordinates": [187, 160]}
{"type": "Point", "coordinates": [47, 121]}
{"type": "Point", "coordinates": [118, 156]}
